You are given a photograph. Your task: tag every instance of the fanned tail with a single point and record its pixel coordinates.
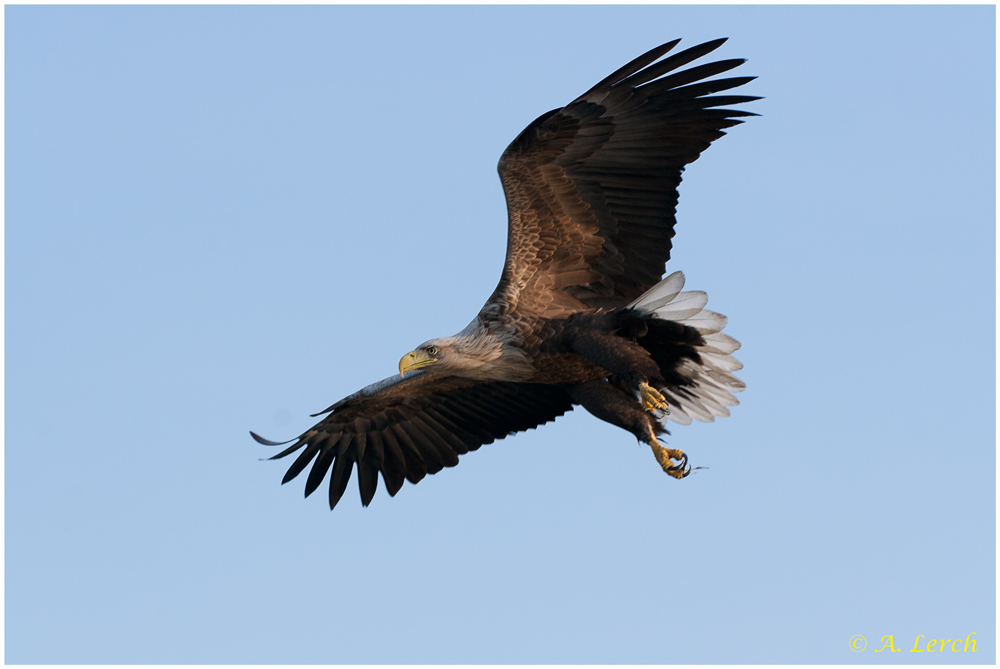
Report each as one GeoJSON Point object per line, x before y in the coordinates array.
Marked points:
{"type": "Point", "coordinates": [698, 386]}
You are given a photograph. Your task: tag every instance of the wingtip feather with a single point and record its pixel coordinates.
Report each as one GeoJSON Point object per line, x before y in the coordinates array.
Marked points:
{"type": "Point", "coordinates": [267, 442]}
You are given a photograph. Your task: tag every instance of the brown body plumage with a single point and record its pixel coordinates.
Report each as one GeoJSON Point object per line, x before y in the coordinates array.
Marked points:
{"type": "Point", "coordinates": [580, 315]}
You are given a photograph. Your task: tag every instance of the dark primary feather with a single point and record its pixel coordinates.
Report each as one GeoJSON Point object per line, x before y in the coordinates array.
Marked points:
{"type": "Point", "coordinates": [592, 188]}
{"type": "Point", "coordinates": [415, 427]}
{"type": "Point", "coordinates": [267, 442]}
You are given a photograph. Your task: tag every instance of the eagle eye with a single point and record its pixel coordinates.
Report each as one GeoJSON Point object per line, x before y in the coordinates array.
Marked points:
{"type": "Point", "coordinates": [432, 350]}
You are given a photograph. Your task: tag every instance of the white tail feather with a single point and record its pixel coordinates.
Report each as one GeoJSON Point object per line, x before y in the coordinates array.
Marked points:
{"type": "Point", "coordinates": [722, 342]}
{"type": "Point", "coordinates": [707, 321]}
{"type": "Point", "coordinates": [660, 294]}
{"type": "Point", "coordinates": [683, 306]}
{"type": "Point", "coordinates": [712, 382]}
{"type": "Point", "coordinates": [676, 411]}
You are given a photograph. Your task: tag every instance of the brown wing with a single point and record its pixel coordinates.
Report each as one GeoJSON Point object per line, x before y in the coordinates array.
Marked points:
{"type": "Point", "coordinates": [592, 188]}
{"type": "Point", "coordinates": [408, 428]}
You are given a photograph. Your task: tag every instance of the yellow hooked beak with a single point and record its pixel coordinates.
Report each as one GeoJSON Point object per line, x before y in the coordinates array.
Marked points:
{"type": "Point", "coordinates": [415, 360]}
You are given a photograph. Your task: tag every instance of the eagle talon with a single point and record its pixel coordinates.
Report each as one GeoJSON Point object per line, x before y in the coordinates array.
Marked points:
{"type": "Point", "coordinates": [666, 457]}
{"type": "Point", "coordinates": [652, 399]}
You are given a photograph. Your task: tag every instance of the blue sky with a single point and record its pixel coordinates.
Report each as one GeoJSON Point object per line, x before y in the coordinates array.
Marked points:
{"type": "Point", "coordinates": [221, 219]}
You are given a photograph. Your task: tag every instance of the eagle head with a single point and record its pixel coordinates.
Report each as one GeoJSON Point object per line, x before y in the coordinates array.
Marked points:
{"type": "Point", "coordinates": [431, 352]}
{"type": "Point", "coordinates": [459, 355]}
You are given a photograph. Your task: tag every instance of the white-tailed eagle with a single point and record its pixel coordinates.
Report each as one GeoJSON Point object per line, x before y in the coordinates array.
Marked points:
{"type": "Point", "coordinates": [580, 316]}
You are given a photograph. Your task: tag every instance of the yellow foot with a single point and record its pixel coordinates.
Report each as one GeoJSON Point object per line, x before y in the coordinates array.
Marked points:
{"type": "Point", "coordinates": [652, 400]}
{"type": "Point", "coordinates": [666, 457]}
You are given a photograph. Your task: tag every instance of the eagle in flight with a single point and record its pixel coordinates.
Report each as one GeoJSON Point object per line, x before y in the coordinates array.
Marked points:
{"type": "Point", "coordinates": [580, 316]}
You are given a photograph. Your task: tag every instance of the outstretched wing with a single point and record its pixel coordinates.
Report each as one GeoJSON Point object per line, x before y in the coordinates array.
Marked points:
{"type": "Point", "coordinates": [408, 428]}
{"type": "Point", "coordinates": [592, 188]}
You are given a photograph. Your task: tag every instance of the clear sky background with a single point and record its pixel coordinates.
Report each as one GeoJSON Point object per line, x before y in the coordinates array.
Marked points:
{"type": "Point", "coordinates": [223, 219]}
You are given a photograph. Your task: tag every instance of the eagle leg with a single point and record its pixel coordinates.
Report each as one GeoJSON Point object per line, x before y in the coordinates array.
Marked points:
{"type": "Point", "coordinates": [666, 457]}
{"type": "Point", "coordinates": [652, 399]}
{"type": "Point", "coordinates": [614, 403]}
